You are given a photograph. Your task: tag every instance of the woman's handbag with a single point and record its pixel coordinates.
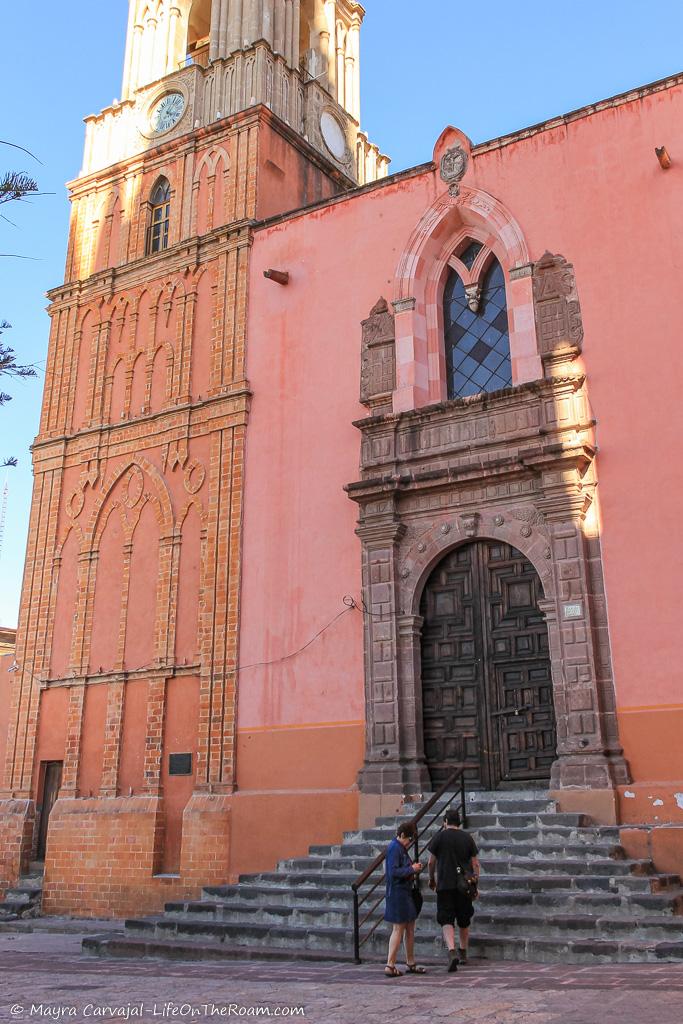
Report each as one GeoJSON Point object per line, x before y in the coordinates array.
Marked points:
{"type": "Point", "coordinates": [418, 898]}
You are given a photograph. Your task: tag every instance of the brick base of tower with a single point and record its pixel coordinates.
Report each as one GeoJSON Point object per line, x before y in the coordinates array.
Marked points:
{"type": "Point", "coordinates": [104, 853]}
{"type": "Point", "coordinates": [17, 819]}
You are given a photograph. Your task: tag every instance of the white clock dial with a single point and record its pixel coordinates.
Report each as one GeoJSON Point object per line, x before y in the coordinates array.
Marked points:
{"type": "Point", "coordinates": [167, 112]}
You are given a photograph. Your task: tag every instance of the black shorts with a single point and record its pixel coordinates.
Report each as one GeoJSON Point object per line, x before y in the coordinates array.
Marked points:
{"type": "Point", "coordinates": [451, 907]}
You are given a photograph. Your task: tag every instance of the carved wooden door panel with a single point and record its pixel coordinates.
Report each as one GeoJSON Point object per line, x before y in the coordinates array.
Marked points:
{"type": "Point", "coordinates": [517, 668]}
{"type": "Point", "coordinates": [485, 656]}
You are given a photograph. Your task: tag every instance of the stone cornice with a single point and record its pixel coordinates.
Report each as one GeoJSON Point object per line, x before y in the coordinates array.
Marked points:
{"type": "Point", "coordinates": [192, 252]}
{"type": "Point", "coordinates": [484, 402]}
{"type": "Point", "coordinates": [122, 676]}
{"type": "Point", "coordinates": [226, 409]}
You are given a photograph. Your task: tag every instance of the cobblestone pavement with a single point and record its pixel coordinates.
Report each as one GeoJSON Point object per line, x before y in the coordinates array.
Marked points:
{"type": "Point", "coordinates": [45, 977]}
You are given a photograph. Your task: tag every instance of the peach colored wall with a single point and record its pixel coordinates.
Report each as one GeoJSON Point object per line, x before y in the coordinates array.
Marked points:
{"type": "Point", "coordinates": [180, 737]}
{"type": "Point", "coordinates": [51, 741]}
{"type": "Point", "coordinates": [286, 179]}
{"type": "Point", "coordinates": [591, 190]}
{"type": "Point", "coordinates": [92, 741]}
{"type": "Point", "coordinates": [132, 767]}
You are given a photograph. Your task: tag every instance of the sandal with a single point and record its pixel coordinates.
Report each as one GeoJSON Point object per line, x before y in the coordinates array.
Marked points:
{"type": "Point", "coordinates": [415, 969]}
{"type": "Point", "coordinates": [392, 972]}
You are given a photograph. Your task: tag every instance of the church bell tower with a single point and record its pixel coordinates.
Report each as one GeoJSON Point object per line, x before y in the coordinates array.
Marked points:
{"type": "Point", "coordinates": [210, 59]}
{"type": "Point", "coordinates": [232, 111]}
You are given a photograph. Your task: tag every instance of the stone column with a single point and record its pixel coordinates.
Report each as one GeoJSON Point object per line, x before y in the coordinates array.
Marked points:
{"type": "Point", "coordinates": [215, 30]}
{"type": "Point", "coordinates": [588, 759]}
{"type": "Point", "coordinates": [268, 21]}
{"type": "Point", "coordinates": [172, 58]}
{"type": "Point", "coordinates": [354, 36]}
{"type": "Point", "coordinates": [288, 32]}
{"type": "Point", "coordinates": [279, 27]}
{"type": "Point", "coordinates": [296, 23]}
{"type": "Point", "coordinates": [328, 45]}
{"type": "Point", "coordinates": [392, 755]}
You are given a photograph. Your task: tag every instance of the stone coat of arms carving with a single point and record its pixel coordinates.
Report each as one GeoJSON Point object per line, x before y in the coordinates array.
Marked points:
{"type": "Point", "coordinates": [453, 167]}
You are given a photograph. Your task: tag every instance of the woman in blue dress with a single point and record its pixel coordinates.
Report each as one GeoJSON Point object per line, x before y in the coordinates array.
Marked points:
{"type": "Point", "coordinates": [399, 906]}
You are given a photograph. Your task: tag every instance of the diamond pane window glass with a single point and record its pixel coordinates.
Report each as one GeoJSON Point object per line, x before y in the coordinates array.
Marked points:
{"type": "Point", "coordinates": [477, 344]}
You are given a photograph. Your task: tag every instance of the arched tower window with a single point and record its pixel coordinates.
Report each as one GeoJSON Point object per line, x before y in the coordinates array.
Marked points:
{"type": "Point", "coordinates": [160, 214]}
{"type": "Point", "coordinates": [476, 324]}
{"type": "Point", "coordinates": [198, 32]}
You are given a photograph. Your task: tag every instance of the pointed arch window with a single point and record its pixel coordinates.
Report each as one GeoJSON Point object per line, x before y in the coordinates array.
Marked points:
{"type": "Point", "coordinates": [476, 331]}
{"type": "Point", "coordinates": [160, 215]}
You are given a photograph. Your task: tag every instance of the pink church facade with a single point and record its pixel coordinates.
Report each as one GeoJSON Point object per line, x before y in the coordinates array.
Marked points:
{"type": "Point", "coordinates": [304, 544]}
{"type": "Point", "coordinates": [589, 187]}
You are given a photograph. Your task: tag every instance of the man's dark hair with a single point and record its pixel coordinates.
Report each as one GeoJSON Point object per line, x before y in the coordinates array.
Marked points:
{"type": "Point", "coordinates": [452, 816]}
{"type": "Point", "coordinates": [406, 828]}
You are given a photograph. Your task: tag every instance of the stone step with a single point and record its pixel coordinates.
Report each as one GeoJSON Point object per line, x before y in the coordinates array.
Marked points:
{"type": "Point", "coordinates": [515, 945]}
{"type": "Point", "coordinates": [531, 880]}
{"type": "Point", "coordinates": [532, 922]}
{"type": "Point", "coordinates": [584, 834]}
{"type": "Point", "coordinates": [490, 946]}
{"type": "Point", "coordinates": [356, 856]}
{"type": "Point", "coordinates": [551, 899]}
{"type": "Point", "coordinates": [386, 827]}
{"type": "Point", "coordinates": [370, 844]}
{"type": "Point", "coordinates": [502, 803]}
{"type": "Point", "coordinates": [491, 861]}
{"type": "Point", "coordinates": [302, 915]}
{"type": "Point", "coordinates": [577, 925]}
{"type": "Point", "coordinates": [613, 904]}
{"type": "Point", "coordinates": [24, 899]}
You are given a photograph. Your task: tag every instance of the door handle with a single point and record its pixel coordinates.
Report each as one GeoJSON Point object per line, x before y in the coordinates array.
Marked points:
{"type": "Point", "coordinates": [511, 711]}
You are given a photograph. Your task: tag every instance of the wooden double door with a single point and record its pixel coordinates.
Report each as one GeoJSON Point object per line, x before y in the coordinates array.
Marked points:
{"type": "Point", "coordinates": [487, 692]}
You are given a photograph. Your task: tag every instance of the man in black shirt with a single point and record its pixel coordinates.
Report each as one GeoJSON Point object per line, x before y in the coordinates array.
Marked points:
{"type": "Point", "coordinates": [451, 852]}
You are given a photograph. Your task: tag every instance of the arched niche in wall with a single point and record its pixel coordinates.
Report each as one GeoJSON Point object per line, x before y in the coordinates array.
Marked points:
{"type": "Point", "coordinates": [106, 621]}
{"type": "Point", "coordinates": [65, 605]}
{"type": "Point", "coordinates": [141, 610]}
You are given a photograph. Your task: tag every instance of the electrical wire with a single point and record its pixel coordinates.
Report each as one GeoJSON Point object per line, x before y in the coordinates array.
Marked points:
{"type": "Point", "coordinates": [350, 605]}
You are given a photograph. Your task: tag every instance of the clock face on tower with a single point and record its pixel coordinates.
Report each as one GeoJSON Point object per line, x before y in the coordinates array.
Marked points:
{"type": "Point", "coordinates": [167, 111]}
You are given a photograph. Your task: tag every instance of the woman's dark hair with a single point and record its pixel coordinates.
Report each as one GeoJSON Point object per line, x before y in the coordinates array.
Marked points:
{"type": "Point", "coordinates": [407, 828]}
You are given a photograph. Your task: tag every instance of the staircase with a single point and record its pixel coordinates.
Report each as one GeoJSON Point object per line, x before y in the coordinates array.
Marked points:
{"type": "Point", "coordinates": [24, 900]}
{"type": "Point", "coordinates": [554, 888]}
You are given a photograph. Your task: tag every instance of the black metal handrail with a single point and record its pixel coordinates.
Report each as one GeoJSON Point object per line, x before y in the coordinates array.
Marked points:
{"type": "Point", "coordinates": [360, 900]}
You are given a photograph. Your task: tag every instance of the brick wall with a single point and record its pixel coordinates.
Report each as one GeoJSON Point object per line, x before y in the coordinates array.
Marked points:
{"type": "Point", "coordinates": [16, 831]}
{"type": "Point", "coordinates": [102, 856]}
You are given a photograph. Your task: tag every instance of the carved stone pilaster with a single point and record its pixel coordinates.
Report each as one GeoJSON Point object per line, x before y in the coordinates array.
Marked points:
{"type": "Point", "coordinates": [378, 359]}
{"type": "Point", "coordinates": [559, 328]}
{"type": "Point", "coordinates": [390, 754]}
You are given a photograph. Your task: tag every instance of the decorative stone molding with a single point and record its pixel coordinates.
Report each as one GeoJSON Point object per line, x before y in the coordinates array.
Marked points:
{"type": "Point", "coordinates": [378, 359]}
{"type": "Point", "coordinates": [507, 466]}
{"type": "Point", "coordinates": [559, 327]}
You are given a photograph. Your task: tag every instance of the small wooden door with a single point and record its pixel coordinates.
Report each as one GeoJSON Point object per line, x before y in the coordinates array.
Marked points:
{"type": "Point", "coordinates": [486, 684]}
{"type": "Point", "coordinates": [52, 781]}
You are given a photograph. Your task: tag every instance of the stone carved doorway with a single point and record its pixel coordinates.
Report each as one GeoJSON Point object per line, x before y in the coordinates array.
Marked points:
{"type": "Point", "coordinates": [487, 692]}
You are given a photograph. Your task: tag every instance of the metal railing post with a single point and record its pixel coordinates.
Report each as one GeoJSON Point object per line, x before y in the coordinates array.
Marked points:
{"type": "Point", "coordinates": [463, 803]}
{"type": "Point", "coordinates": [356, 929]}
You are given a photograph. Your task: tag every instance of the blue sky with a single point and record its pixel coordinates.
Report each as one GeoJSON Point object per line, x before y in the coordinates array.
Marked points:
{"type": "Point", "coordinates": [488, 69]}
